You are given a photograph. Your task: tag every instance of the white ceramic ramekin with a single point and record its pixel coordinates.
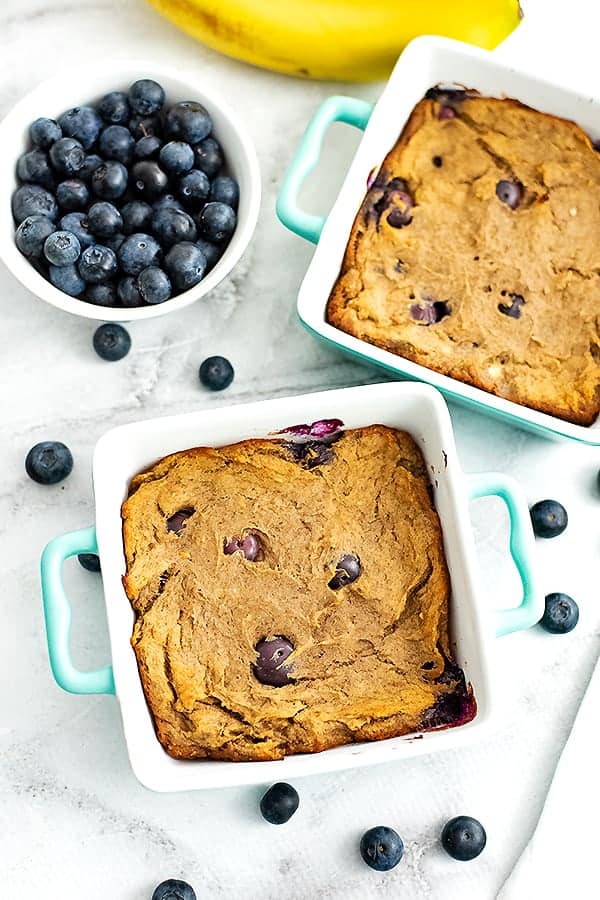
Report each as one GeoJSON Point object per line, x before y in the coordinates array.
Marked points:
{"type": "Point", "coordinates": [124, 451]}
{"type": "Point", "coordinates": [55, 96]}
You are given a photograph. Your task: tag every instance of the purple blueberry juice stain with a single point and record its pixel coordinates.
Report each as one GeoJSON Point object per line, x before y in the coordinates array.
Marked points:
{"type": "Point", "coordinates": [430, 312]}
{"type": "Point", "coordinates": [270, 667]}
{"type": "Point", "coordinates": [514, 309]}
{"type": "Point", "coordinates": [249, 546]}
{"type": "Point", "coordinates": [321, 429]}
{"type": "Point", "coordinates": [446, 112]}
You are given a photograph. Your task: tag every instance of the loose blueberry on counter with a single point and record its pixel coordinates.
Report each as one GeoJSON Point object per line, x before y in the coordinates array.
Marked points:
{"type": "Point", "coordinates": [44, 132]}
{"type": "Point", "coordinates": [249, 546]}
{"type": "Point", "coordinates": [147, 147]}
{"type": "Point", "coordinates": [111, 342]}
{"type": "Point", "coordinates": [67, 156]}
{"type": "Point", "coordinates": [216, 373]}
{"type": "Point", "coordinates": [72, 194]}
{"type": "Point", "coordinates": [34, 168]}
{"type": "Point", "coordinates": [128, 293]}
{"type": "Point", "coordinates": [225, 189]}
{"type": "Point", "coordinates": [49, 462]}
{"type": "Point", "coordinates": [185, 264]}
{"type": "Point", "coordinates": [172, 226]}
{"type": "Point", "coordinates": [463, 838]}
{"type": "Point", "coordinates": [148, 179]}
{"type": "Point", "coordinates": [116, 142]}
{"type": "Point", "coordinates": [67, 279]}
{"type": "Point", "coordinates": [216, 222]}
{"type": "Point", "coordinates": [109, 180]}
{"type": "Point", "coordinates": [347, 570]}
{"type": "Point", "coordinates": [208, 156]}
{"type": "Point", "coordinates": [136, 216]}
{"type": "Point", "coordinates": [101, 294]}
{"type": "Point", "coordinates": [89, 561]}
{"type": "Point", "coordinates": [212, 252]}
{"type": "Point", "coordinates": [62, 248]}
{"type": "Point", "coordinates": [561, 614]}
{"type": "Point", "coordinates": [138, 252]}
{"type": "Point", "coordinates": [270, 667]}
{"type": "Point", "coordinates": [174, 889]}
{"type": "Point", "coordinates": [77, 224]}
{"type": "Point", "coordinates": [509, 192]}
{"type": "Point", "coordinates": [33, 200]}
{"type": "Point", "coordinates": [97, 264]}
{"type": "Point", "coordinates": [193, 189]}
{"type": "Point", "coordinates": [32, 233]}
{"type": "Point", "coordinates": [176, 157]}
{"type": "Point", "coordinates": [114, 108]}
{"type": "Point", "coordinates": [279, 803]}
{"type": "Point", "coordinates": [154, 285]}
{"type": "Point", "coordinates": [176, 522]}
{"type": "Point", "coordinates": [188, 121]}
{"type": "Point", "coordinates": [381, 848]}
{"type": "Point", "coordinates": [104, 219]}
{"type": "Point", "coordinates": [90, 164]}
{"type": "Point", "coordinates": [82, 123]}
{"type": "Point", "coordinates": [549, 518]}
{"type": "Point", "coordinates": [146, 97]}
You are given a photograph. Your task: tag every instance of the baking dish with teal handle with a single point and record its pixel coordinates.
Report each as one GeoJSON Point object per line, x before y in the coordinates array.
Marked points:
{"type": "Point", "coordinates": [426, 62]}
{"type": "Point", "coordinates": [127, 450]}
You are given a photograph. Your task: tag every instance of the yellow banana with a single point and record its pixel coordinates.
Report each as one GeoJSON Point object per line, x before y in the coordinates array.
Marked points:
{"type": "Point", "coordinates": [346, 40]}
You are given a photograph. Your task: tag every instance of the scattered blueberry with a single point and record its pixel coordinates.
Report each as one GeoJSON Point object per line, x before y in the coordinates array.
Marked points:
{"type": "Point", "coordinates": [128, 292]}
{"type": "Point", "coordinates": [212, 252]}
{"type": "Point", "coordinates": [138, 252]}
{"type": "Point", "coordinates": [104, 219]}
{"type": "Point", "coordinates": [208, 156]}
{"type": "Point", "coordinates": [62, 248]}
{"type": "Point", "coordinates": [225, 190]}
{"type": "Point", "coordinates": [185, 264]}
{"type": "Point", "coordinates": [146, 97]}
{"type": "Point", "coordinates": [77, 223]}
{"type": "Point", "coordinates": [176, 157]}
{"type": "Point", "coordinates": [510, 192]}
{"type": "Point", "coordinates": [193, 188]}
{"type": "Point", "coordinates": [463, 838]}
{"type": "Point", "coordinates": [97, 264]}
{"type": "Point", "coordinates": [101, 294]}
{"type": "Point", "coordinates": [381, 848]}
{"type": "Point", "coordinates": [114, 108]}
{"type": "Point", "coordinates": [33, 200]}
{"type": "Point", "coordinates": [549, 518]}
{"type": "Point", "coordinates": [82, 123]}
{"type": "Point", "coordinates": [347, 570]}
{"type": "Point", "coordinates": [109, 180]}
{"type": "Point", "coordinates": [89, 561]}
{"type": "Point", "coordinates": [279, 803]}
{"type": "Point", "coordinates": [49, 462]}
{"type": "Point", "coordinates": [216, 373]}
{"type": "Point", "coordinates": [216, 222]}
{"type": "Point", "coordinates": [32, 233]}
{"type": "Point", "coordinates": [561, 614]}
{"type": "Point", "coordinates": [44, 132]}
{"type": "Point", "coordinates": [154, 285]}
{"type": "Point", "coordinates": [90, 164]}
{"type": "Point", "coordinates": [147, 147]}
{"type": "Point", "coordinates": [172, 226]}
{"type": "Point", "coordinates": [111, 342]}
{"type": "Point", "coordinates": [148, 179]}
{"type": "Point", "coordinates": [270, 667]}
{"type": "Point", "coordinates": [116, 143]}
{"type": "Point", "coordinates": [173, 889]}
{"type": "Point", "coordinates": [136, 216]}
{"type": "Point", "coordinates": [188, 121]}
{"type": "Point", "coordinates": [33, 168]}
{"type": "Point", "coordinates": [67, 279]}
{"type": "Point", "coordinates": [72, 194]}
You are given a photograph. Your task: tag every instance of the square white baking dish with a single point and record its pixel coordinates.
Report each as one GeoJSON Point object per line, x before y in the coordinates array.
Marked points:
{"type": "Point", "coordinates": [126, 450]}
{"type": "Point", "coordinates": [426, 62]}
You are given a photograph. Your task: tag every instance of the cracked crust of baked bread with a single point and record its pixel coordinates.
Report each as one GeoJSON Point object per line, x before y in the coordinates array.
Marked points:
{"type": "Point", "coordinates": [371, 660]}
{"type": "Point", "coordinates": [466, 248]}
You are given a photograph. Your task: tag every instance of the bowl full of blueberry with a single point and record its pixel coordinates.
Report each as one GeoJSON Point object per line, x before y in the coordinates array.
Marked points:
{"type": "Point", "coordinates": [133, 192]}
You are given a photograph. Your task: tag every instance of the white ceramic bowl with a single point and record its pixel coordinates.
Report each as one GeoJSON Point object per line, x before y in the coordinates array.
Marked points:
{"type": "Point", "coordinates": [55, 96]}
{"type": "Point", "coordinates": [124, 451]}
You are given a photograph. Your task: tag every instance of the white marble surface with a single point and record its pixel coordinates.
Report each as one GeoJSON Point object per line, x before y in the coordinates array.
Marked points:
{"type": "Point", "coordinates": [74, 821]}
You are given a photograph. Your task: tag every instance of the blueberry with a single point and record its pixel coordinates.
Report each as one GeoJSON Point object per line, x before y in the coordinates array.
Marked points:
{"type": "Point", "coordinates": [34, 168]}
{"type": "Point", "coordinates": [148, 179]}
{"type": "Point", "coordinates": [463, 838]}
{"type": "Point", "coordinates": [145, 126]}
{"type": "Point", "coordinates": [154, 285]}
{"type": "Point", "coordinates": [111, 342]}
{"type": "Point", "coordinates": [171, 226]}
{"type": "Point", "coordinates": [225, 190]}
{"type": "Point", "coordinates": [49, 462]}
{"type": "Point", "coordinates": [114, 108]}
{"type": "Point", "coordinates": [82, 123]}
{"type": "Point", "coordinates": [347, 570]}
{"type": "Point", "coordinates": [62, 248]}
{"type": "Point", "coordinates": [67, 279]}
{"type": "Point", "coordinates": [44, 132]}
{"type": "Point", "coordinates": [109, 180]}
{"type": "Point", "coordinates": [167, 200]}
{"type": "Point", "coordinates": [90, 164]}
{"type": "Point", "coordinates": [512, 309]}
{"type": "Point", "coordinates": [185, 264]}
{"type": "Point", "coordinates": [249, 546]}
{"type": "Point", "coordinates": [138, 252]}
{"type": "Point", "coordinates": [280, 803]}
{"type": "Point", "coordinates": [117, 143]}
{"type": "Point", "coordinates": [381, 848]}
{"type": "Point", "coordinates": [33, 200]}
{"type": "Point", "coordinates": [430, 312]}
{"type": "Point", "coordinates": [89, 561]}
{"type": "Point", "coordinates": [128, 292]}
{"type": "Point", "coordinates": [176, 157]}
{"type": "Point", "coordinates": [146, 97]}
{"type": "Point", "coordinates": [212, 252]}
{"type": "Point", "coordinates": [101, 294]}
{"type": "Point", "coordinates": [97, 264]}
{"type": "Point", "coordinates": [136, 216]}
{"type": "Point", "coordinates": [510, 192]}
{"type": "Point", "coordinates": [72, 194]}
{"type": "Point", "coordinates": [216, 222]}
{"type": "Point", "coordinates": [114, 242]}
{"type": "Point", "coordinates": [77, 223]}
{"type": "Point", "coordinates": [176, 522]}
{"type": "Point", "coordinates": [104, 219]}
{"type": "Point", "coordinates": [188, 121]}
{"type": "Point", "coordinates": [270, 666]}
{"type": "Point", "coordinates": [549, 518]}
{"type": "Point", "coordinates": [208, 156]}
{"type": "Point", "coordinates": [561, 614]}
{"type": "Point", "coordinates": [216, 373]}
{"type": "Point", "coordinates": [173, 889]}
{"type": "Point", "coordinates": [193, 189]}
{"type": "Point", "coordinates": [32, 233]}
{"type": "Point", "coordinates": [147, 147]}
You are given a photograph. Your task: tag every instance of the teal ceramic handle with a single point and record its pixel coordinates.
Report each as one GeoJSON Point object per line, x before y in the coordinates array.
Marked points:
{"type": "Point", "coordinates": [57, 612]}
{"type": "Point", "coordinates": [522, 549]}
{"type": "Point", "coordinates": [335, 109]}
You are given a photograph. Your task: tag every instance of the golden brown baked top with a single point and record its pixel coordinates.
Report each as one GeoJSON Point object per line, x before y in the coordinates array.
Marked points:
{"type": "Point", "coordinates": [229, 547]}
{"type": "Point", "coordinates": [476, 253]}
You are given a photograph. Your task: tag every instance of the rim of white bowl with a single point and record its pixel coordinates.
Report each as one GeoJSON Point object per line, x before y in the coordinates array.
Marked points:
{"type": "Point", "coordinates": [13, 130]}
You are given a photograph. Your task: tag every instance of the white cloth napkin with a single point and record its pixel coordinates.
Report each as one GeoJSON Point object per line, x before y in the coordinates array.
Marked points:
{"type": "Point", "coordinates": [561, 859]}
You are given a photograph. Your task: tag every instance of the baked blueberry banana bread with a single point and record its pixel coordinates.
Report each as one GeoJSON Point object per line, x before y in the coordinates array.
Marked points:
{"type": "Point", "coordinates": [290, 595]}
{"type": "Point", "coordinates": [476, 253]}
